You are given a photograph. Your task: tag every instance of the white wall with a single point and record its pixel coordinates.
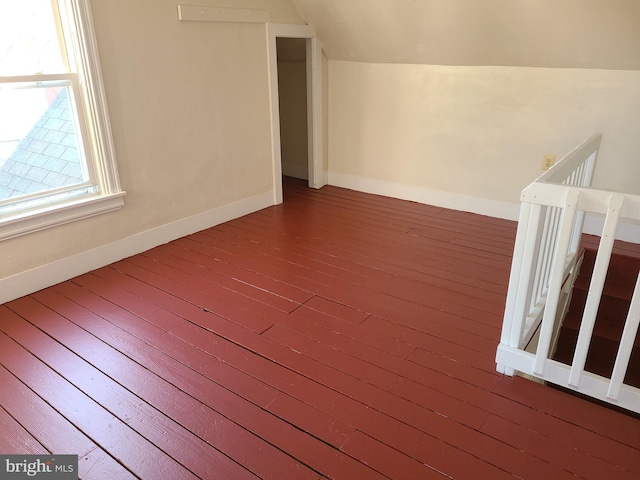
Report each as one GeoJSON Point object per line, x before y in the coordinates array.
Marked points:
{"type": "Point", "coordinates": [189, 108]}
{"type": "Point", "coordinates": [189, 105]}
{"type": "Point", "coordinates": [542, 33]}
{"type": "Point", "coordinates": [473, 137]}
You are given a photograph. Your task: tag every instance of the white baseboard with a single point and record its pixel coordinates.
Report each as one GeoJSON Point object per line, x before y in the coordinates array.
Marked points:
{"type": "Point", "coordinates": [44, 276]}
{"type": "Point", "coordinates": [627, 230]}
{"type": "Point", "coordinates": [454, 201]}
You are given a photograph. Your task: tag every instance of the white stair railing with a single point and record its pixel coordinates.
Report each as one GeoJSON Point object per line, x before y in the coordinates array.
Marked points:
{"type": "Point", "coordinates": [544, 267]}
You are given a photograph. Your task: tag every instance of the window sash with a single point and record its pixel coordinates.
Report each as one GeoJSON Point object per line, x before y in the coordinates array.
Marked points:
{"type": "Point", "coordinates": [102, 193]}
{"type": "Point", "coordinates": [35, 200]}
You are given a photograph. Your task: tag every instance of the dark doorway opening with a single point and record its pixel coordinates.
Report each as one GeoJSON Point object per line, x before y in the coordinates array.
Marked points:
{"type": "Point", "coordinates": [293, 98]}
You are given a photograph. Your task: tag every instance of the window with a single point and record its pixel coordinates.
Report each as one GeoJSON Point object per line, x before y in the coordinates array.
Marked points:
{"type": "Point", "coordinates": [57, 162]}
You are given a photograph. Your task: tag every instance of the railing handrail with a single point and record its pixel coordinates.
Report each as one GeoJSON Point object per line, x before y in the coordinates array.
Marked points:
{"type": "Point", "coordinates": [591, 200]}
{"type": "Point", "coordinates": [563, 169]}
{"type": "Point", "coordinates": [544, 267]}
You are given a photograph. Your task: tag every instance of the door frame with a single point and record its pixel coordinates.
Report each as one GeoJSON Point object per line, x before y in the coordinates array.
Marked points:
{"type": "Point", "coordinates": [317, 170]}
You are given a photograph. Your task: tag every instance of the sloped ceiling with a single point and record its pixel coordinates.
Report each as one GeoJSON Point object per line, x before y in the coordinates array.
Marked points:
{"type": "Point", "coordinates": [542, 33]}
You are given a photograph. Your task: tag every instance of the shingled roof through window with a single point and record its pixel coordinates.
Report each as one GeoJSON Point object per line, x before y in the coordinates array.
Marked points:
{"type": "Point", "coordinates": [47, 157]}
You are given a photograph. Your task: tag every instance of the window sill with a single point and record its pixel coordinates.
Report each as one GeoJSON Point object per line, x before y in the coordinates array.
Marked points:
{"type": "Point", "coordinates": [59, 214]}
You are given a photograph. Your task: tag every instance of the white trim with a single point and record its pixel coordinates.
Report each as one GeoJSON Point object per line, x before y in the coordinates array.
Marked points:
{"type": "Point", "coordinates": [222, 14]}
{"type": "Point", "coordinates": [44, 276]}
{"type": "Point", "coordinates": [317, 177]}
{"type": "Point", "coordinates": [627, 231]}
{"type": "Point", "coordinates": [454, 201]}
{"type": "Point", "coordinates": [53, 215]}
{"type": "Point", "coordinates": [276, 147]}
{"type": "Point", "coordinates": [558, 373]}
{"type": "Point", "coordinates": [85, 46]}
{"type": "Point", "coordinates": [81, 49]}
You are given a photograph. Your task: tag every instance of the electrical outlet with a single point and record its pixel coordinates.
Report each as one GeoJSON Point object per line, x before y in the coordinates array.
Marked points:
{"type": "Point", "coordinates": [548, 161]}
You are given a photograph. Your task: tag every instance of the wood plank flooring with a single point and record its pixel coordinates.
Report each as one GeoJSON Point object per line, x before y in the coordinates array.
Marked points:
{"type": "Point", "coordinates": [338, 335]}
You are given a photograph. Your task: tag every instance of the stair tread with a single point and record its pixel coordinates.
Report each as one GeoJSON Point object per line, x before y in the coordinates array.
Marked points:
{"type": "Point", "coordinates": [611, 309]}
{"type": "Point", "coordinates": [600, 358]}
{"type": "Point", "coordinates": [622, 272]}
{"type": "Point", "coordinates": [611, 289]}
{"type": "Point", "coordinates": [604, 329]}
{"type": "Point", "coordinates": [624, 267]}
{"type": "Point", "coordinates": [627, 249]}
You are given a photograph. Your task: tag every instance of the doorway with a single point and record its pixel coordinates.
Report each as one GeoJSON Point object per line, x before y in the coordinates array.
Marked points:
{"type": "Point", "coordinates": [292, 104]}
{"type": "Point", "coordinates": [289, 158]}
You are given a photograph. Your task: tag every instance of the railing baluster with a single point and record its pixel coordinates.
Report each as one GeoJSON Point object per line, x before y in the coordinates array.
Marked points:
{"type": "Point", "coordinates": [545, 257]}
{"type": "Point", "coordinates": [516, 265]}
{"type": "Point", "coordinates": [540, 278]}
{"type": "Point", "coordinates": [626, 344]}
{"type": "Point", "coordinates": [556, 218]}
{"type": "Point", "coordinates": [572, 178]}
{"type": "Point", "coordinates": [582, 171]}
{"type": "Point", "coordinates": [595, 288]}
{"type": "Point", "coordinates": [531, 243]}
{"type": "Point", "coordinates": [510, 321]}
{"type": "Point", "coordinates": [591, 166]}
{"type": "Point", "coordinates": [576, 236]}
{"type": "Point", "coordinates": [556, 279]}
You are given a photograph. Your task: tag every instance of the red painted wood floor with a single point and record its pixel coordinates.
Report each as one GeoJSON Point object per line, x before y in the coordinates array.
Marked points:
{"type": "Point", "coordinates": [339, 335]}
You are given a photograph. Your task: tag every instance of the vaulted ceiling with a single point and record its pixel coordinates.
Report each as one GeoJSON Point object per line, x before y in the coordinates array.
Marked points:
{"type": "Point", "coordinates": [542, 33]}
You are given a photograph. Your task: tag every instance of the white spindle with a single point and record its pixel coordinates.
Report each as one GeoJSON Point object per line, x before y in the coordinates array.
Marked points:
{"type": "Point", "coordinates": [514, 276]}
{"type": "Point", "coordinates": [591, 166]}
{"type": "Point", "coordinates": [626, 344]}
{"type": "Point", "coordinates": [556, 279]}
{"type": "Point", "coordinates": [579, 225]}
{"type": "Point", "coordinates": [595, 287]}
{"type": "Point", "coordinates": [531, 244]}
{"type": "Point", "coordinates": [539, 282]}
{"type": "Point", "coordinates": [544, 255]}
{"type": "Point", "coordinates": [583, 173]}
{"type": "Point", "coordinates": [550, 247]}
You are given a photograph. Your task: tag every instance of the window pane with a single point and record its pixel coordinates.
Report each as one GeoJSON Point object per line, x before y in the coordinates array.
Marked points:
{"type": "Point", "coordinates": [46, 178]}
{"type": "Point", "coordinates": [29, 41]}
{"type": "Point", "coordinates": [39, 144]}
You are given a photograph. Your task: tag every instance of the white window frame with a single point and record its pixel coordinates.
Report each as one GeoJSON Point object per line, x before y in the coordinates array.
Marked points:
{"type": "Point", "coordinates": [93, 116]}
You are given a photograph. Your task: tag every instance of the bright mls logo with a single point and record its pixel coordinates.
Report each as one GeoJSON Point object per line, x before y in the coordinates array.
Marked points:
{"type": "Point", "coordinates": [50, 467]}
